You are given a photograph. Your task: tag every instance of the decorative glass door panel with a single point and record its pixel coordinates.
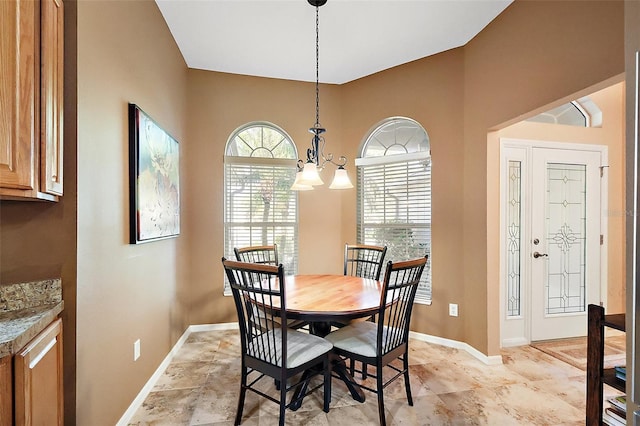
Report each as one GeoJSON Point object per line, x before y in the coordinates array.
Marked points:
{"type": "Point", "coordinates": [566, 236]}
{"type": "Point", "coordinates": [514, 235]}
{"type": "Point", "coordinates": [564, 248]}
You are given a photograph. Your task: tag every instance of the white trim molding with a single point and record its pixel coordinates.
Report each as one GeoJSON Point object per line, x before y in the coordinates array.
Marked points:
{"type": "Point", "coordinates": [488, 360]}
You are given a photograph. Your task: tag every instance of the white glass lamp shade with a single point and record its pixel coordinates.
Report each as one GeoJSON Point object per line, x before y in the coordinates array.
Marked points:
{"type": "Point", "coordinates": [297, 186]}
{"type": "Point", "coordinates": [310, 175]}
{"type": "Point", "coordinates": [341, 180]}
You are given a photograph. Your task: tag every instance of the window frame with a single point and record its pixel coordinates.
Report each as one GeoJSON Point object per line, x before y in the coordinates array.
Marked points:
{"type": "Point", "coordinates": [234, 161]}
{"type": "Point", "coordinates": [420, 155]}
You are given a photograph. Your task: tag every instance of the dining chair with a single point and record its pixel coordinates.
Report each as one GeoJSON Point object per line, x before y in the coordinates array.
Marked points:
{"type": "Point", "coordinates": [365, 261]}
{"type": "Point", "coordinates": [267, 349]}
{"type": "Point", "coordinates": [264, 255]}
{"type": "Point", "coordinates": [381, 343]}
{"type": "Point", "coordinates": [362, 260]}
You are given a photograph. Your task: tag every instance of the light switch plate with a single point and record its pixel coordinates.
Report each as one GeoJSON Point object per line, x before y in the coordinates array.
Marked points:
{"type": "Point", "coordinates": [136, 350]}
{"type": "Point", "coordinates": [453, 309]}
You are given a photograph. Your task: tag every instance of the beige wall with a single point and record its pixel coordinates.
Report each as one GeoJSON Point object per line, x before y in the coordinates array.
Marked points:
{"type": "Point", "coordinates": [125, 292]}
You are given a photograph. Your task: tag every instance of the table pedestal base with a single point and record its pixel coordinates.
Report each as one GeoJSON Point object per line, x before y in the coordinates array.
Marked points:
{"type": "Point", "coordinates": [338, 366]}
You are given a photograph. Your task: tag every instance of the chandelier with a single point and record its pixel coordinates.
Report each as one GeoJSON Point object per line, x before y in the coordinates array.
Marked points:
{"type": "Point", "coordinates": [308, 175]}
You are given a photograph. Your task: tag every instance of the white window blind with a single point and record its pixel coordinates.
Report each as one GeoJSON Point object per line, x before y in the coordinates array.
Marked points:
{"type": "Point", "coordinates": [394, 196]}
{"type": "Point", "coordinates": [259, 207]}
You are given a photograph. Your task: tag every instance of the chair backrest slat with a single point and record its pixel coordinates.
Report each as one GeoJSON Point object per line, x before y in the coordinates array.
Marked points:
{"type": "Point", "coordinates": [363, 260]}
{"type": "Point", "coordinates": [264, 255]}
{"type": "Point", "coordinates": [259, 295]}
{"type": "Point", "coordinates": [396, 302]}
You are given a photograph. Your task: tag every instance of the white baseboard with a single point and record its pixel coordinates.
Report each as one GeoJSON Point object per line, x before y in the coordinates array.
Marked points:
{"type": "Point", "coordinates": [489, 360]}
{"type": "Point", "coordinates": [212, 327]}
{"type": "Point", "coordinates": [144, 392]}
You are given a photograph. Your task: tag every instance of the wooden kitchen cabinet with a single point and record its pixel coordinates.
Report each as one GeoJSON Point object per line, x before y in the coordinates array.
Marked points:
{"type": "Point", "coordinates": [6, 392]}
{"type": "Point", "coordinates": [31, 99]}
{"type": "Point", "coordinates": [38, 378]}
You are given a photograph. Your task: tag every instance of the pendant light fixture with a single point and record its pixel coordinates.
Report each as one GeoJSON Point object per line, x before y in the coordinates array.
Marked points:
{"type": "Point", "coordinates": [308, 174]}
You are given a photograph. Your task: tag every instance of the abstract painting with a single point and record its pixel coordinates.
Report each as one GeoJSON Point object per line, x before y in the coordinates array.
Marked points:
{"type": "Point", "coordinates": [154, 179]}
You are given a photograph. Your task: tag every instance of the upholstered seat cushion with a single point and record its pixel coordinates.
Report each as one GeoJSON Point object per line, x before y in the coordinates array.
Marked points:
{"type": "Point", "coordinates": [358, 338]}
{"type": "Point", "coordinates": [301, 347]}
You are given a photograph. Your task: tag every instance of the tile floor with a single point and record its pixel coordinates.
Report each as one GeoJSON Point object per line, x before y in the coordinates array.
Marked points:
{"type": "Point", "coordinates": [449, 386]}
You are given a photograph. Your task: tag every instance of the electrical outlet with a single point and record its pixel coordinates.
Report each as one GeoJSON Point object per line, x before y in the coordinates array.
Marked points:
{"type": "Point", "coordinates": [453, 309]}
{"type": "Point", "coordinates": [136, 350]}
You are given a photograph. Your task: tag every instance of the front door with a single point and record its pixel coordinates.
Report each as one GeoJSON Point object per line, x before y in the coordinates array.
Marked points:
{"type": "Point", "coordinates": [551, 250]}
{"type": "Point", "coordinates": [565, 243]}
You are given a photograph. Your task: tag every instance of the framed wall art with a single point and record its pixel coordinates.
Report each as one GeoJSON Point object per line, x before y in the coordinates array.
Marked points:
{"type": "Point", "coordinates": [154, 180]}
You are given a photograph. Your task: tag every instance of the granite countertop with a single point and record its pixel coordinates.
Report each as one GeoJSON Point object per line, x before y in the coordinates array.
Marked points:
{"type": "Point", "coordinates": [25, 310]}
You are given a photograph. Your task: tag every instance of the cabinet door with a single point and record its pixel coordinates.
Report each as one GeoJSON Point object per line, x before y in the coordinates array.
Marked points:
{"type": "Point", "coordinates": [6, 391]}
{"type": "Point", "coordinates": [19, 59]}
{"type": "Point", "coordinates": [38, 379]}
{"type": "Point", "coordinates": [51, 98]}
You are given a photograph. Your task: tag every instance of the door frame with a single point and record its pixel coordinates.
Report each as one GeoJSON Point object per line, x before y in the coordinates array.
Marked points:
{"type": "Point", "coordinates": [516, 331]}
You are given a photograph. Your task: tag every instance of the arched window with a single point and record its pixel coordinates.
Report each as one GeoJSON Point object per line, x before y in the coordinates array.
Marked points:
{"type": "Point", "coordinates": [259, 208]}
{"type": "Point", "coordinates": [394, 193]}
{"type": "Point", "coordinates": [582, 113]}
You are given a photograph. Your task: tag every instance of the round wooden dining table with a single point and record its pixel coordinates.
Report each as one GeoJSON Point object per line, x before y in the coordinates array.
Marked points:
{"type": "Point", "coordinates": [322, 299]}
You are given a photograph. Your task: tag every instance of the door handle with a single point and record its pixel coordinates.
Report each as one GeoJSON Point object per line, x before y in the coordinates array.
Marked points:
{"type": "Point", "coordinates": [537, 255]}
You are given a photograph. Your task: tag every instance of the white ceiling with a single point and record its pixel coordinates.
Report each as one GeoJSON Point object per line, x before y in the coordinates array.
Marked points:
{"type": "Point", "coordinates": [276, 38]}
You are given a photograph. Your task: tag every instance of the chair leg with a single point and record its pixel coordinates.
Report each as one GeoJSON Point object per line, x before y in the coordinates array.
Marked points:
{"type": "Point", "coordinates": [283, 401]}
{"type": "Point", "coordinates": [379, 391]}
{"type": "Point", "coordinates": [327, 384]}
{"type": "Point", "coordinates": [372, 318]}
{"type": "Point", "coordinates": [243, 392]}
{"type": "Point", "coordinates": [407, 384]}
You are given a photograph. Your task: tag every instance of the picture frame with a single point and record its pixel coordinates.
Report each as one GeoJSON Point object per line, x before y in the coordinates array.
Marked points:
{"type": "Point", "coordinates": [154, 180]}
